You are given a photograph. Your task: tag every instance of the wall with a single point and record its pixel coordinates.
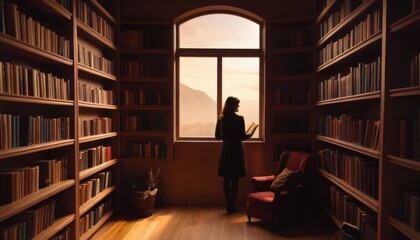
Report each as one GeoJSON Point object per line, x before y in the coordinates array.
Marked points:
{"type": "Point", "coordinates": [192, 177]}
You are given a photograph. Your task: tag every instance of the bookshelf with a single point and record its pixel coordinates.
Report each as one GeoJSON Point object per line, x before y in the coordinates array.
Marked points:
{"type": "Point", "coordinates": [290, 110]}
{"type": "Point", "coordinates": [401, 132]}
{"type": "Point", "coordinates": [367, 71]}
{"type": "Point", "coordinates": [45, 89]}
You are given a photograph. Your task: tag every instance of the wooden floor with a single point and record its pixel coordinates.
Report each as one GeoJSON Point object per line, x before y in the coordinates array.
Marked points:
{"type": "Point", "coordinates": [205, 223]}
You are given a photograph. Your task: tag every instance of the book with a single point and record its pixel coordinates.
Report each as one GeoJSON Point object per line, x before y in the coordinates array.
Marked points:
{"type": "Point", "coordinates": [252, 128]}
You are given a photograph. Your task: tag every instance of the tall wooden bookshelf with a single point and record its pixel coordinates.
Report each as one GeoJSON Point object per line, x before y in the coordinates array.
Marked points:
{"type": "Point", "coordinates": [46, 93]}
{"type": "Point", "coordinates": [367, 93]}
{"type": "Point", "coordinates": [289, 118]}
{"type": "Point", "coordinates": [145, 97]}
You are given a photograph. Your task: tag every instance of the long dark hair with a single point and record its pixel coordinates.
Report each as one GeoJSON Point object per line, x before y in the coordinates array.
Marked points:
{"type": "Point", "coordinates": [230, 105]}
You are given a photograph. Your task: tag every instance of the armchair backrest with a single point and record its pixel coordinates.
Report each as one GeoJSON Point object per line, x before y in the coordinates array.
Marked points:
{"type": "Point", "coordinates": [293, 160]}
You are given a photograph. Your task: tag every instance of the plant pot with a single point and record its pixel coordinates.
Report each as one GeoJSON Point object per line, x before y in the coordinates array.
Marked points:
{"type": "Point", "coordinates": [143, 206]}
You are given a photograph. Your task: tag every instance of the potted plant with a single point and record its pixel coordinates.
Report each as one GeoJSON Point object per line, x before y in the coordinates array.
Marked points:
{"type": "Point", "coordinates": [143, 199]}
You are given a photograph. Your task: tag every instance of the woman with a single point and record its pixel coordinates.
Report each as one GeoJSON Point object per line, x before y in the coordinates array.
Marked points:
{"type": "Point", "coordinates": [230, 128]}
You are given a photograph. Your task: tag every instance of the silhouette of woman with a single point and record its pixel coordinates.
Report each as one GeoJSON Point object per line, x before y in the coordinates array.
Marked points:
{"type": "Point", "coordinates": [230, 128]}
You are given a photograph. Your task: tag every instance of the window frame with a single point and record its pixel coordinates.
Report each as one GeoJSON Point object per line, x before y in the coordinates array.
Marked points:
{"type": "Point", "coordinates": [219, 54]}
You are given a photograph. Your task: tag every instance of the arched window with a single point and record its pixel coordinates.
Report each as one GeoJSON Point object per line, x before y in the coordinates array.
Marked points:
{"type": "Point", "coordinates": [217, 55]}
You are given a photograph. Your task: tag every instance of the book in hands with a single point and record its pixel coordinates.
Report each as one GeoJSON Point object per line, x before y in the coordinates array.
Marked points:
{"type": "Point", "coordinates": [252, 128]}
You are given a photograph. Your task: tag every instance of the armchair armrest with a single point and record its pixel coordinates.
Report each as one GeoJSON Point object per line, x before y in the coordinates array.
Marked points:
{"type": "Point", "coordinates": [262, 183]}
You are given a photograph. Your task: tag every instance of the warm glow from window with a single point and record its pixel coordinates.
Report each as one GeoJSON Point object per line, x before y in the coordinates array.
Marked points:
{"type": "Point", "coordinates": [207, 74]}
{"type": "Point", "coordinates": [219, 31]}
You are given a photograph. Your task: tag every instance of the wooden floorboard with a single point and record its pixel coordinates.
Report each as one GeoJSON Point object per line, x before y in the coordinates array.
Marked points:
{"type": "Point", "coordinates": [205, 223]}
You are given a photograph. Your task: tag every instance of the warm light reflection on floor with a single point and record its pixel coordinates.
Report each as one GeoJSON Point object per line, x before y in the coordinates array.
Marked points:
{"type": "Point", "coordinates": [144, 229]}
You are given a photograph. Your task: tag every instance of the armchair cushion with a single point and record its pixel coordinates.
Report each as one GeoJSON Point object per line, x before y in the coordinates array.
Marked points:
{"type": "Point", "coordinates": [285, 177]}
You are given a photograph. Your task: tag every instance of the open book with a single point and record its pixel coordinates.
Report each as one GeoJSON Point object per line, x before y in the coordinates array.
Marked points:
{"type": "Point", "coordinates": [252, 128]}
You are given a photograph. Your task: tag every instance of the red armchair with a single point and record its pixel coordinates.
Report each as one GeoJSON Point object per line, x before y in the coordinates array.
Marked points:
{"type": "Point", "coordinates": [284, 202]}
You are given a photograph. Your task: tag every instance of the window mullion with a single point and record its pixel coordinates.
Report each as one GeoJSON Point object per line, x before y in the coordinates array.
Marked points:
{"type": "Point", "coordinates": [219, 84]}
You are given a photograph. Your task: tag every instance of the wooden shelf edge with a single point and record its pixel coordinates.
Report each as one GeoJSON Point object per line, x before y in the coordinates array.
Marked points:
{"type": "Point", "coordinates": [12, 43]}
{"type": "Point", "coordinates": [93, 33]}
{"type": "Point", "coordinates": [34, 100]}
{"type": "Point", "coordinates": [324, 11]}
{"type": "Point", "coordinates": [13, 208]}
{"type": "Point", "coordinates": [97, 137]}
{"type": "Point", "coordinates": [350, 146]}
{"type": "Point", "coordinates": [405, 22]}
{"type": "Point", "coordinates": [99, 224]}
{"type": "Point", "coordinates": [57, 8]}
{"type": "Point", "coordinates": [406, 91]}
{"type": "Point", "coordinates": [19, 151]}
{"type": "Point", "coordinates": [97, 105]}
{"type": "Point", "coordinates": [408, 163]}
{"type": "Point", "coordinates": [357, 97]}
{"type": "Point", "coordinates": [91, 202]}
{"type": "Point", "coordinates": [90, 171]}
{"type": "Point", "coordinates": [56, 227]}
{"type": "Point", "coordinates": [104, 11]}
{"type": "Point", "coordinates": [96, 72]}
{"type": "Point", "coordinates": [354, 192]}
{"type": "Point", "coordinates": [403, 228]}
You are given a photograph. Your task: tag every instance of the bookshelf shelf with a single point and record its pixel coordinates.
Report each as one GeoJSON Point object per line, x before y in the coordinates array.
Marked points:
{"type": "Point", "coordinates": [91, 171]}
{"type": "Point", "coordinates": [350, 146]}
{"type": "Point", "coordinates": [11, 45]}
{"type": "Point", "coordinates": [103, 11]}
{"type": "Point", "coordinates": [20, 151]}
{"type": "Point", "coordinates": [13, 208]}
{"type": "Point", "coordinates": [408, 163]}
{"type": "Point", "coordinates": [404, 92]}
{"type": "Point", "coordinates": [96, 72]}
{"type": "Point", "coordinates": [58, 224]}
{"type": "Point", "coordinates": [88, 32]}
{"type": "Point", "coordinates": [97, 137]}
{"type": "Point", "coordinates": [51, 7]}
{"type": "Point", "coordinates": [359, 195]}
{"type": "Point", "coordinates": [325, 10]}
{"type": "Point", "coordinates": [373, 41]}
{"type": "Point", "coordinates": [93, 201]}
{"type": "Point", "coordinates": [411, 20]}
{"type": "Point", "coordinates": [403, 228]}
{"type": "Point", "coordinates": [35, 100]}
{"type": "Point", "coordinates": [359, 97]}
{"type": "Point", "coordinates": [99, 224]}
{"type": "Point", "coordinates": [97, 105]}
{"type": "Point", "coordinates": [346, 21]}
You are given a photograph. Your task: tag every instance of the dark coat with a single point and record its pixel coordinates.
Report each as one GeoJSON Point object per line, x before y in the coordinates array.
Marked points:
{"type": "Point", "coordinates": [231, 129]}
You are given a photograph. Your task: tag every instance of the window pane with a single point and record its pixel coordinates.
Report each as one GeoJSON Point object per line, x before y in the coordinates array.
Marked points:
{"type": "Point", "coordinates": [219, 31]}
{"type": "Point", "coordinates": [241, 79]}
{"type": "Point", "coordinates": [197, 96]}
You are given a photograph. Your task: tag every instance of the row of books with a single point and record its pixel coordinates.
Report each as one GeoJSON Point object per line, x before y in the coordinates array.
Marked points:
{"type": "Point", "coordinates": [89, 219]}
{"type": "Point", "coordinates": [90, 188]}
{"type": "Point", "coordinates": [17, 131]}
{"type": "Point", "coordinates": [351, 128]}
{"type": "Point", "coordinates": [291, 96]}
{"type": "Point", "coordinates": [88, 58]}
{"type": "Point", "coordinates": [94, 20]}
{"type": "Point", "coordinates": [348, 209]}
{"type": "Point", "coordinates": [371, 25]}
{"type": "Point", "coordinates": [63, 235]}
{"type": "Point", "coordinates": [20, 182]}
{"type": "Point", "coordinates": [31, 31]}
{"type": "Point", "coordinates": [411, 211]}
{"type": "Point", "coordinates": [145, 39]}
{"type": "Point", "coordinates": [20, 80]}
{"type": "Point", "coordinates": [139, 69]}
{"type": "Point", "coordinates": [146, 149]}
{"type": "Point", "coordinates": [95, 156]}
{"type": "Point", "coordinates": [29, 223]}
{"type": "Point", "coordinates": [362, 78]}
{"type": "Point", "coordinates": [142, 97]}
{"type": "Point", "coordinates": [290, 124]}
{"type": "Point", "coordinates": [152, 122]}
{"type": "Point", "coordinates": [93, 94]}
{"type": "Point", "coordinates": [95, 126]}
{"type": "Point", "coordinates": [359, 172]}
{"type": "Point", "coordinates": [415, 71]}
{"type": "Point", "coordinates": [346, 7]}
{"type": "Point", "coordinates": [409, 138]}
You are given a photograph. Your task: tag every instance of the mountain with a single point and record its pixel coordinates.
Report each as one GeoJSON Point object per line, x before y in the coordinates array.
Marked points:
{"type": "Point", "coordinates": [198, 103]}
